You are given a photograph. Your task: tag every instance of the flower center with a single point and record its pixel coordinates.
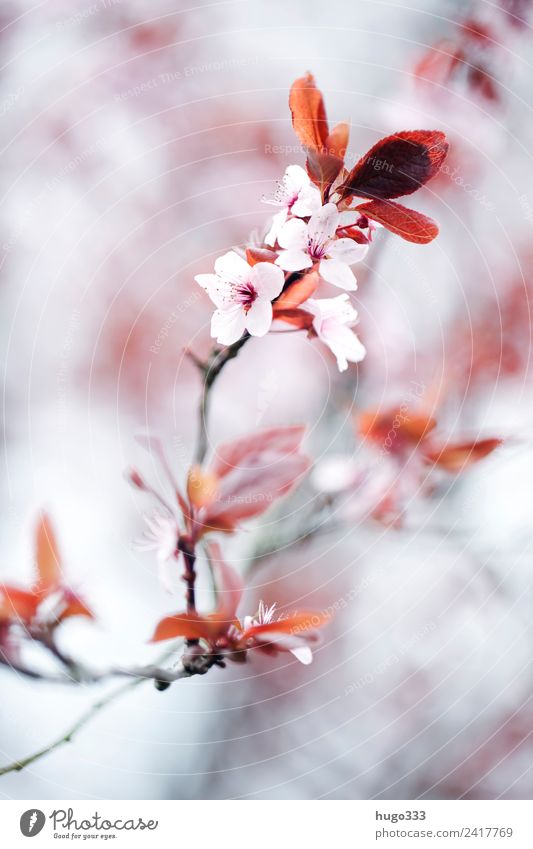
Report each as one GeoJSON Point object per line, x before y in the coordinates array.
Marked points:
{"type": "Point", "coordinates": [316, 250]}
{"type": "Point", "coordinates": [245, 295]}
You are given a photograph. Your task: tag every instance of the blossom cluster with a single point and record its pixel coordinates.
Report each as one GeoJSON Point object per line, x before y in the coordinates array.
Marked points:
{"type": "Point", "coordinates": [326, 220]}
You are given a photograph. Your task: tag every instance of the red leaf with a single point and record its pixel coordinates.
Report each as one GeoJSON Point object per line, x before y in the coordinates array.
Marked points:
{"type": "Point", "coordinates": [16, 604]}
{"type": "Point", "coordinates": [397, 165]}
{"type": "Point", "coordinates": [413, 427]}
{"type": "Point", "coordinates": [298, 318]}
{"type": "Point", "coordinates": [337, 141]}
{"type": "Point", "coordinates": [297, 292]}
{"type": "Point", "coordinates": [456, 457]}
{"type": "Point", "coordinates": [47, 555]}
{"type": "Point", "coordinates": [407, 223]}
{"type": "Point", "coordinates": [188, 625]}
{"type": "Point", "coordinates": [323, 168]}
{"type": "Point", "coordinates": [308, 113]}
{"type": "Point", "coordinates": [305, 620]}
{"type": "Point", "coordinates": [253, 450]}
{"type": "Point", "coordinates": [74, 606]}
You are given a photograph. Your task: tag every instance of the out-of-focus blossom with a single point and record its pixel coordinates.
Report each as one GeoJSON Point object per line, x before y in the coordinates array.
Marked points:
{"type": "Point", "coordinates": [333, 319]}
{"type": "Point", "coordinates": [222, 633]}
{"type": "Point", "coordinates": [49, 601]}
{"type": "Point", "coordinates": [244, 479]}
{"type": "Point", "coordinates": [306, 244]}
{"type": "Point", "coordinates": [243, 295]}
{"type": "Point", "coordinates": [403, 450]}
{"type": "Point", "coordinates": [296, 195]}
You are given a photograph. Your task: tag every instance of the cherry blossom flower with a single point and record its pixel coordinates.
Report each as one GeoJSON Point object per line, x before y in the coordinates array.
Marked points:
{"type": "Point", "coordinates": [306, 244]}
{"type": "Point", "coordinates": [332, 322]}
{"type": "Point", "coordinates": [243, 296]}
{"type": "Point", "coordinates": [296, 195]}
{"type": "Point", "coordinates": [224, 634]}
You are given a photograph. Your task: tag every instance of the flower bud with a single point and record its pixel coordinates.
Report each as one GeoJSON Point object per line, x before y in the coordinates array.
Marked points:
{"type": "Point", "coordinates": [202, 487]}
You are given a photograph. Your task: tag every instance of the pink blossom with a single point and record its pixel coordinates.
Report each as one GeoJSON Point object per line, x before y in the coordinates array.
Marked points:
{"type": "Point", "coordinates": [306, 244]}
{"type": "Point", "coordinates": [332, 320]}
{"type": "Point", "coordinates": [243, 295]}
{"type": "Point", "coordinates": [297, 196]}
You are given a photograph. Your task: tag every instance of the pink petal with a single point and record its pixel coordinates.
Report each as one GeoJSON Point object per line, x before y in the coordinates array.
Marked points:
{"type": "Point", "coordinates": [338, 274]}
{"type": "Point", "coordinates": [228, 325]}
{"type": "Point", "coordinates": [232, 268]}
{"type": "Point", "coordinates": [323, 224]}
{"type": "Point", "coordinates": [348, 251]}
{"type": "Point", "coordinates": [293, 234]}
{"type": "Point", "coordinates": [267, 279]}
{"type": "Point", "coordinates": [294, 260]}
{"type": "Point", "coordinates": [259, 317]}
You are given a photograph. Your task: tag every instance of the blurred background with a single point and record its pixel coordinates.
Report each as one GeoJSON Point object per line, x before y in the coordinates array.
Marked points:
{"type": "Point", "coordinates": [137, 142]}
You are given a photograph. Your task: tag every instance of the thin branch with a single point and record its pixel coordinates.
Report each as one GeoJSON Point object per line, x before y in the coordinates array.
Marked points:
{"type": "Point", "coordinates": [16, 766]}
{"type": "Point", "coordinates": [162, 677]}
{"type": "Point", "coordinates": [210, 370]}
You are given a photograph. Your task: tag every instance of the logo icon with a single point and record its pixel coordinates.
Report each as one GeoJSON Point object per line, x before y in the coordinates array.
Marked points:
{"type": "Point", "coordinates": [32, 822]}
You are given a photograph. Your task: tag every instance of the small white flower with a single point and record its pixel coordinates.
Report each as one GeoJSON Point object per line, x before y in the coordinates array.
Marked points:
{"type": "Point", "coordinates": [316, 242]}
{"type": "Point", "coordinates": [243, 295]}
{"type": "Point", "coordinates": [161, 536]}
{"type": "Point", "coordinates": [296, 195]}
{"type": "Point", "coordinates": [332, 320]}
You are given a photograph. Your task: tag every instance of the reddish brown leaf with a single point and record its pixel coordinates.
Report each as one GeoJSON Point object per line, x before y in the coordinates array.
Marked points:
{"type": "Point", "coordinates": [305, 620]}
{"type": "Point", "coordinates": [407, 223]}
{"type": "Point", "coordinates": [413, 427]}
{"type": "Point", "coordinates": [456, 457]}
{"type": "Point", "coordinates": [397, 165]}
{"type": "Point", "coordinates": [255, 255]}
{"type": "Point", "coordinates": [298, 318]}
{"type": "Point", "coordinates": [47, 555]}
{"type": "Point", "coordinates": [189, 625]}
{"type": "Point", "coordinates": [17, 605]}
{"type": "Point", "coordinates": [337, 141]}
{"type": "Point", "coordinates": [250, 451]}
{"type": "Point", "coordinates": [323, 168]}
{"type": "Point", "coordinates": [297, 292]}
{"type": "Point", "coordinates": [308, 113]}
{"type": "Point", "coordinates": [74, 606]}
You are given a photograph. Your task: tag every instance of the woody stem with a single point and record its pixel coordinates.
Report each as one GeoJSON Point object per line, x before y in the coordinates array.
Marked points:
{"type": "Point", "coordinates": [210, 370]}
{"type": "Point", "coordinates": [186, 546]}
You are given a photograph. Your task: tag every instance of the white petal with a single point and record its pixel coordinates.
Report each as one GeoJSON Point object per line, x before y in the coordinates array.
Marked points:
{"type": "Point", "coordinates": [308, 202]}
{"type": "Point", "coordinates": [323, 224]}
{"type": "Point", "coordinates": [340, 309]}
{"type": "Point", "coordinates": [220, 291]}
{"type": "Point", "coordinates": [267, 280]}
{"type": "Point", "coordinates": [293, 234]}
{"type": "Point", "coordinates": [296, 178]}
{"type": "Point", "coordinates": [232, 267]}
{"type": "Point", "coordinates": [344, 344]}
{"type": "Point", "coordinates": [228, 325]}
{"type": "Point", "coordinates": [294, 260]}
{"type": "Point", "coordinates": [338, 274]}
{"type": "Point", "coordinates": [347, 250]}
{"type": "Point", "coordinates": [277, 223]}
{"type": "Point", "coordinates": [259, 317]}
{"type": "Point", "coordinates": [303, 654]}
